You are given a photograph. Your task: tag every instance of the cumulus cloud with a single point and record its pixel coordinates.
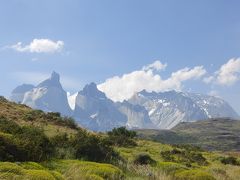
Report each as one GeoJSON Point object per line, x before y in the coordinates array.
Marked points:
{"type": "Point", "coordinates": [228, 74]}
{"type": "Point", "coordinates": [39, 46]}
{"type": "Point", "coordinates": [119, 88]}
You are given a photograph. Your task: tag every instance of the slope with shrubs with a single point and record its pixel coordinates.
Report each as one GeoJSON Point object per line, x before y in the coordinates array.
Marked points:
{"type": "Point", "coordinates": [29, 149]}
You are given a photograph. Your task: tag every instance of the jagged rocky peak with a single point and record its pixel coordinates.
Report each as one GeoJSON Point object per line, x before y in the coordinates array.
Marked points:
{"type": "Point", "coordinates": [91, 90]}
{"type": "Point", "coordinates": [54, 80]}
{"type": "Point", "coordinates": [55, 76]}
{"type": "Point", "coordinates": [48, 96]}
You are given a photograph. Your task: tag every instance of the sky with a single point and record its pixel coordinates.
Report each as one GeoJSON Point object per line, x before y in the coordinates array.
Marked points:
{"type": "Point", "coordinates": [123, 46]}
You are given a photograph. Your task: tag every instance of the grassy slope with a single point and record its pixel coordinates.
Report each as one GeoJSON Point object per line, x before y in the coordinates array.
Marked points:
{"type": "Point", "coordinates": [19, 112]}
{"type": "Point", "coordinates": [172, 169]}
{"type": "Point", "coordinates": [213, 134]}
{"type": "Point", "coordinates": [75, 169]}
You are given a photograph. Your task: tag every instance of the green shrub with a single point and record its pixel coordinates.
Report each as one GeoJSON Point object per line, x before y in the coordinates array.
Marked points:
{"type": "Point", "coordinates": [229, 160]}
{"type": "Point", "coordinates": [8, 126]}
{"type": "Point", "coordinates": [193, 175]}
{"type": "Point", "coordinates": [35, 143]}
{"type": "Point", "coordinates": [144, 159]}
{"type": "Point", "coordinates": [63, 146]}
{"type": "Point", "coordinates": [24, 143]}
{"type": "Point", "coordinates": [184, 156]}
{"type": "Point", "coordinates": [122, 137]}
{"type": "Point", "coordinates": [9, 149]}
{"type": "Point", "coordinates": [92, 147]}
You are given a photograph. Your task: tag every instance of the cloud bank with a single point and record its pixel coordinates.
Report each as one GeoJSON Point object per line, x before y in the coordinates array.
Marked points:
{"type": "Point", "coordinates": [227, 75]}
{"type": "Point", "coordinates": [39, 46]}
{"type": "Point", "coordinates": [119, 88]}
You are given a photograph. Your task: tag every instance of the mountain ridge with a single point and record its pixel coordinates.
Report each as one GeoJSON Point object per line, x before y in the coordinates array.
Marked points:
{"type": "Point", "coordinates": [94, 110]}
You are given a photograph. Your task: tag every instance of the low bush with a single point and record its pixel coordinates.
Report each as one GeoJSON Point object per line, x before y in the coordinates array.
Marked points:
{"type": "Point", "coordinates": [121, 137]}
{"type": "Point", "coordinates": [23, 143]}
{"type": "Point", "coordinates": [92, 148]}
{"type": "Point", "coordinates": [144, 159]}
{"type": "Point", "coordinates": [229, 160]}
{"type": "Point", "coordinates": [184, 156]}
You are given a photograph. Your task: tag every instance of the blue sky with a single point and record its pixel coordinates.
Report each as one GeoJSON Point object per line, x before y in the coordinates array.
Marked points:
{"type": "Point", "coordinates": [103, 39]}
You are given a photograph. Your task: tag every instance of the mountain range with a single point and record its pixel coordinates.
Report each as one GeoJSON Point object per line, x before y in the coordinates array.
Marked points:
{"type": "Point", "coordinates": [92, 109]}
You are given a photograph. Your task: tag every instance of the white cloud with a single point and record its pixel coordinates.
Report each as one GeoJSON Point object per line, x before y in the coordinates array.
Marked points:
{"type": "Point", "coordinates": [228, 74]}
{"type": "Point", "coordinates": [119, 88]}
{"type": "Point", "coordinates": [39, 46]}
{"type": "Point", "coordinates": [157, 65]}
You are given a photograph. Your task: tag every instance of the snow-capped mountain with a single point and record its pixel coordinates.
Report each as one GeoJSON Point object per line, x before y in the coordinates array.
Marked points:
{"type": "Point", "coordinates": [95, 111]}
{"type": "Point", "coordinates": [48, 96]}
{"type": "Point", "coordinates": [212, 106]}
{"type": "Point", "coordinates": [17, 94]}
{"type": "Point", "coordinates": [167, 109]}
{"type": "Point", "coordinates": [92, 109]}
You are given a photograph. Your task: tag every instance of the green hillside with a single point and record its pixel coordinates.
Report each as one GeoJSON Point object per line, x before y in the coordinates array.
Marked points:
{"type": "Point", "coordinates": [214, 134]}
{"type": "Point", "coordinates": [45, 146]}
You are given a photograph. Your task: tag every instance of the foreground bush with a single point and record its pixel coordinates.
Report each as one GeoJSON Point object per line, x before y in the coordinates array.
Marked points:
{"type": "Point", "coordinates": [23, 143]}
{"type": "Point", "coordinates": [122, 137]}
{"type": "Point", "coordinates": [93, 148]}
{"type": "Point", "coordinates": [230, 160]}
{"type": "Point", "coordinates": [144, 159]}
{"type": "Point", "coordinates": [184, 156]}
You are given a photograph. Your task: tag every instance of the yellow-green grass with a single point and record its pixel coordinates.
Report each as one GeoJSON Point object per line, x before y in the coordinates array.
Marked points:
{"type": "Point", "coordinates": [74, 168]}
{"type": "Point", "coordinates": [59, 169]}
{"type": "Point", "coordinates": [23, 171]}
{"type": "Point", "coordinates": [172, 170]}
{"type": "Point", "coordinates": [149, 147]}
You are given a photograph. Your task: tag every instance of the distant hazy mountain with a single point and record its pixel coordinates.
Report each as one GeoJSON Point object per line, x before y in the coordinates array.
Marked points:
{"type": "Point", "coordinates": [48, 96]}
{"type": "Point", "coordinates": [17, 94]}
{"type": "Point", "coordinates": [137, 115]}
{"type": "Point", "coordinates": [95, 111]}
{"type": "Point", "coordinates": [167, 109]}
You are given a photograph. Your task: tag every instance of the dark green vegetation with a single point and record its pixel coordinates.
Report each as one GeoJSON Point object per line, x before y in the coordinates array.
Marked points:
{"type": "Point", "coordinates": [215, 134]}
{"type": "Point", "coordinates": [45, 146]}
{"type": "Point", "coordinates": [122, 137]}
